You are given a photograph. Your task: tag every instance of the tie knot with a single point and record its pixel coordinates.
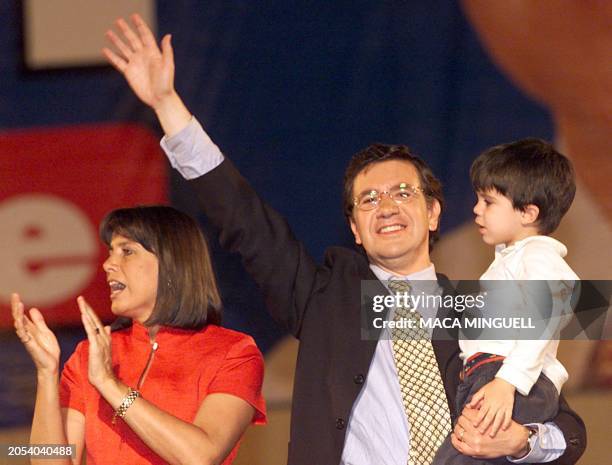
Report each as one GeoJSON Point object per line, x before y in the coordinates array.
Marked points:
{"type": "Point", "coordinates": [399, 286]}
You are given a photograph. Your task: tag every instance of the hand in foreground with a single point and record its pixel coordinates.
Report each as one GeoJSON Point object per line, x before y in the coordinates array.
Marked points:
{"type": "Point", "coordinates": [100, 356]}
{"type": "Point", "coordinates": [148, 70]}
{"type": "Point", "coordinates": [468, 440]}
{"type": "Point", "coordinates": [38, 339]}
{"type": "Point", "coordinates": [494, 402]}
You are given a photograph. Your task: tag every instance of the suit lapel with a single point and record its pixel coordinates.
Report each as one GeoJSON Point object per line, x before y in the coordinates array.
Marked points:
{"type": "Point", "coordinates": [444, 341]}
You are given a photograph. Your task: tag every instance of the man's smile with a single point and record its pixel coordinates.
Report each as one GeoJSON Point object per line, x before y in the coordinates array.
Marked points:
{"type": "Point", "coordinates": [390, 228]}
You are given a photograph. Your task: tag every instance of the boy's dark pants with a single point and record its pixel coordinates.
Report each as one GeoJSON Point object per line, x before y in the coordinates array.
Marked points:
{"type": "Point", "coordinates": [539, 406]}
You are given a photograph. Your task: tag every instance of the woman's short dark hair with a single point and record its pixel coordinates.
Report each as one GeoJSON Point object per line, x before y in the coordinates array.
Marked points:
{"type": "Point", "coordinates": [376, 153]}
{"type": "Point", "coordinates": [187, 294]}
{"type": "Point", "coordinates": [528, 171]}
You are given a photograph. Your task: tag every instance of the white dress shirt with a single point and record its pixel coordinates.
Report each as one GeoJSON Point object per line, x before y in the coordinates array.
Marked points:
{"type": "Point", "coordinates": [378, 430]}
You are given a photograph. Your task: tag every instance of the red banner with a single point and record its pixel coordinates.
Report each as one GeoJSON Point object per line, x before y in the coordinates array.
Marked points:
{"type": "Point", "coordinates": [55, 187]}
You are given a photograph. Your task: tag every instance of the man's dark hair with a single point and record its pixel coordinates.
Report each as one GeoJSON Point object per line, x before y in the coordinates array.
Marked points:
{"type": "Point", "coordinates": [528, 171]}
{"type": "Point", "coordinates": [187, 293]}
{"type": "Point", "coordinates": [376, 153]}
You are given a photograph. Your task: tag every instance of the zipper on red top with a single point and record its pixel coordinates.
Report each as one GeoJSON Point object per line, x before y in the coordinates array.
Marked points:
{"type": "Point", "coordinates": [143, 375]}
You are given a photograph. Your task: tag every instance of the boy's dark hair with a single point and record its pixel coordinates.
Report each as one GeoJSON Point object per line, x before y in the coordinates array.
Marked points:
{"type": "Point", "coordinates": [376, 153]}
{"type": "Point", "coordinates": [187, 294]}
{"type": "Point", "coordinates": [528, 171]}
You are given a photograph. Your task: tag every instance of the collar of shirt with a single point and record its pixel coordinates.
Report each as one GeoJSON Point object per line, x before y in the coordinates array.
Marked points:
{"type": "Point", "coordinates": [428, 286]}
{"type": "Point", "coordinates": [502, 250]}
{"type": "Point", "coordinates": [428, 273]}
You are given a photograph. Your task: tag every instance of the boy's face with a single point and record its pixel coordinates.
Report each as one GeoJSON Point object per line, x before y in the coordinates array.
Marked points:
{"type": "Point", "coordinates": [498, 222]}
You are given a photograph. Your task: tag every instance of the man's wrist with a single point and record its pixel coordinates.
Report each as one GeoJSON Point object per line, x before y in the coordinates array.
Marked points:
{"type": "Point", "coordinates": [524, 447]}
{"type": "Point", "coordinates": [172, 114]}
{"type": "Point", "coordinates": [166, 101]}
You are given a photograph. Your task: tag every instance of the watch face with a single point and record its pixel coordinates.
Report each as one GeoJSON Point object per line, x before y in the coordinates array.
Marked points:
{"type": "Point", "coordinates": [533, 436]}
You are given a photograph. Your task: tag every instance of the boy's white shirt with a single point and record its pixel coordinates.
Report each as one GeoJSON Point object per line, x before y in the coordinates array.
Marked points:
{"type": "Point", "coordinates": [533, 258]}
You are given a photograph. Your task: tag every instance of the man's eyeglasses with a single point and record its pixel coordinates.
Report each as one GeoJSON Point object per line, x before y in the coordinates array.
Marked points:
{"type": "Point", "coordinates": [403, 193]}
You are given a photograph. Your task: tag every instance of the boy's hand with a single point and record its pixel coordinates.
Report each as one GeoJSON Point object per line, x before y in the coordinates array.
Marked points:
{"type": "Point", "coordinates": [495, 401]}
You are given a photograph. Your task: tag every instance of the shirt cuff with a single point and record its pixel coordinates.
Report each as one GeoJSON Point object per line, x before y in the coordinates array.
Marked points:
{"type": "Point", "coordinates": [520, 379]}
{"type": "Point", "coordinates": [548, 446]}
{"type": "Point", "coordinates": [191, 152]}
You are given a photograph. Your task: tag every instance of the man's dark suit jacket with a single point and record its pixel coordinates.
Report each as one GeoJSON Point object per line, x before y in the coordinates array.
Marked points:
{"type": "Point", "coordinates": [319, 305]}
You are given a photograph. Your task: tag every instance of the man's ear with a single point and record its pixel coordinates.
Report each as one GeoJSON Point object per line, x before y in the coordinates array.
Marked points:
{"type": "Point", "coordinates": [529, 215]}
{"type": "Point", "coordinates": [434, 214]}
{"type": "Point", "coordinates": [355, 232]}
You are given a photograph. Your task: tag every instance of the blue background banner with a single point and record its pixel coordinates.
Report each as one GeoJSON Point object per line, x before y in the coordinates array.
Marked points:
{"type": "Point", "coordinates": [289, 91]}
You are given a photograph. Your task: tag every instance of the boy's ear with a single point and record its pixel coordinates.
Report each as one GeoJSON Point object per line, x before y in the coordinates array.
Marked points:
{"type": "Point", "coordinates": [529, 215]}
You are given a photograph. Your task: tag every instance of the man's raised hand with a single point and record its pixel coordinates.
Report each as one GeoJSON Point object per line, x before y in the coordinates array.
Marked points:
{"type": "Point", "coordinates": [148, 70]}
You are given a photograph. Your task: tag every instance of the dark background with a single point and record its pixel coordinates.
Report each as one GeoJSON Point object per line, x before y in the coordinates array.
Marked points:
{"type": "Point", "coordinates": [289, 91]}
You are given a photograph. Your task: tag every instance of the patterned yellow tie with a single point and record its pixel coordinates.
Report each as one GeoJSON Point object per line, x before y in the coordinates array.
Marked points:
{"type": "Point", "coordinates": [421, 384]}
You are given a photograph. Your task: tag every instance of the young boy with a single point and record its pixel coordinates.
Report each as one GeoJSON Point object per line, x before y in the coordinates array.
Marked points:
{"type": "Point", "coordinates": [524, 188]}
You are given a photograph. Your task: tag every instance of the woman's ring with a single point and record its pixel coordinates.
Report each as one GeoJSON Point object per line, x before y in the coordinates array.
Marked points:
{"type": "Point", "coordinates": [461, 435]}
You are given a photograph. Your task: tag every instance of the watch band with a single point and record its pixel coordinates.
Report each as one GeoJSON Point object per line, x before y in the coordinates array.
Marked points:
{"type": "Point", "coordinates": [532, 438]}
{"type": "Point", "coordinates": [126, 403]}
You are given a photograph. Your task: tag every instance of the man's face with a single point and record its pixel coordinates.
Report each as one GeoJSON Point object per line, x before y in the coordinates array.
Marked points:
{"type": "Point", "coordinates": [395, 236]}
